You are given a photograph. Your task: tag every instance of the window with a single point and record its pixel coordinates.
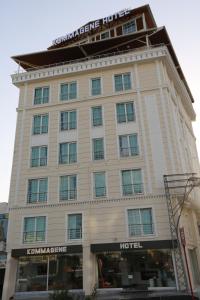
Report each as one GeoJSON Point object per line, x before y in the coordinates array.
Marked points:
{"type": "Point", "coordinates": [132, 182]}
{"type": "Point", "coordinates": [74, 227]}
{"type": "Point", "coordinates": [67, 120]}
{"type": "Point", "coordinates": [128, 145]}
{"type": "Point", "coordinates": [140, 222]}
{"type": "Point", "coordinates": [129, 27]}
{"type": "Point", "coordinates": [40, 124]}
{"type": "Point", "coordinates": [99, 184]}
{"type": "Point", "coordinates": [125, 112]}
{"type": "Point", "coordinates": [68, 91]}
{"type": "Point", "coordinates": [95, 86]}
{"type": "Point", "coordinates": [37, 190]}
{"type": "Point", "coordinates": [122, 82]}
{"type": "Point", "coordinates": [39, 156]}
{"type": "Point", "coordinates": [67, 153]}
{"type": "Point", "coordinates": [41, 95]}
{"type": "Point", "coordinates": [68, 188]}
{"type": "Point", "coordinates": [97, 116]}
{"type": "Point", "coordinates": [98, 149]}
{"type": "Point", "coordinates": [105, 35]}
{"type": "Point", "coordinates": [34, 229]}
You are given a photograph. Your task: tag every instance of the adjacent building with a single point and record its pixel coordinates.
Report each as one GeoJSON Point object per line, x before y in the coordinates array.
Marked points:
{"type": "Point", "coordinates": [103, 114]}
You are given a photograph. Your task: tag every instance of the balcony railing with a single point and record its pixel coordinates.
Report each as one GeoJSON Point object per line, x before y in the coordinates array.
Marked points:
{"type": "Point", "coordinates": [37, 197]}
{"type": "Point", "coordinates": [122, 118]}
{"type": "Point", "coordinates": [67, 159]}
{"type": "Point", "coordinates": [100, 191]}
{"type": "Point", "coordinates": [98, 155]}
{"type": "Point", "coordinates": [40, 129]}
{"type": "Point", "coordinates": [75, 234]}
{"type": "Point", "coordinates": [141, 229]}
{"type": "Point", "coordinates": [33, 236]}
{"type": "Point", "coordinates": [129, 151]}
{"type": "Point", "coordinates": [67, 125]}
{"type": "Point", "coordinates": [68, 194]}
{"type": "Point", "coordinates": [39, 162]}
{"type": "Point", "coordinates": [131, 189]}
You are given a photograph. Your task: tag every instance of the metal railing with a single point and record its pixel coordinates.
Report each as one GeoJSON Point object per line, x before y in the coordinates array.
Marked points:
{"type": "Point", "coordinates": [129, 151]}
{"type": "Point", "coordinates": [39, 162]}
{"type": "Point", "coordinates": [98, 155]}
{"type": "Point", "coordinates": [115, 53]}
{"type": "Point", "coordinates": [68, 194]}
{"type": "Point", "coordinates": [68, 125]}
{"type": "Point", "coordinates": [74, 234]}
{"type": "Point", "coordinates": [141, 229]}
{"type": "Point", "coordinates": [131, 189]}
{"type": "Point", "coordinates": [37, 197]}
{"type": "Point", "coordinates": [33, 236]}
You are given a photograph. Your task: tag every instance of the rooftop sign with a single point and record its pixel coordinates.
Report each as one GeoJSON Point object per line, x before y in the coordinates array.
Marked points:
{"type": "Point", "coordinates": [92, 25]}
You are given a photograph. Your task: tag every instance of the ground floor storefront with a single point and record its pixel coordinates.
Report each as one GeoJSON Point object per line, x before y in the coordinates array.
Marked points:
{"type": "Point", "coordinates": [140, 265]}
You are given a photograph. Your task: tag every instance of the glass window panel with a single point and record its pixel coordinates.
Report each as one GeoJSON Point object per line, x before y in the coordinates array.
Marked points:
{"type": "Point", "coordinates": [134, 222]}
{"type": "Point", "coordinates": [72, 120]}
{"type": "Point", "coordinates": [64, 92]}
{"type": "Point", "coordinates": [43, 156]}
{"type": "Point", "coordinates": [75, 226]}
{"type": "Point", "coordinates": [146, 220]}
{"type": "Point", "coordinates": [35, 156]}
{"type": "Point", "coordinates": [64, 120]}
{"type": "Point", "coordinates": [72, 187]}
{"type": "Point", "coordinates": [36, 124]}
{"type": "Point", "coordinates": [121, 115]}
{"type": "Point", "coordinates": [63, 159]}
{"type": "Point", "coordinates": [72, 153]}
{"type": "Point", "coordinates": [118, 83]}
{"type": "Point", "coordinates": [38, 96]}
{"type": "Point", "coordinates": [133, 144]}
{"type": "Point", "coordinates": [127, 81]}
{"type": "Point", "coordinates": [96, 86]}
{"type": "Point", "coordinates": [45, 95]}
{"type": "Point", "coordinates": [127, 183]}
{"type": "Point", "coordinates": [130, 111]}
{"type": "Point", "coordinates": [43, 186]}
{"type": "Point", "coordinates": [123, 145]}
{"type": "Point", "coordinates": [97, 116]}
{"type": "Point", "coordinates": [129, 27]}
{"type": "Point", "coordinates": [98, 149]}
{"type": "Point", "coordinates": [64, 188]}
{"type": "Point", "coordinates": [100, 185]}
{"type": "Point", "coordinates": [32, 190]}
{"type": "Point", "coordinates": [72, 90]}
{"type": "Point", "coordinates": [45, 120]}
{"type": "Point", "coordinates": [40, 228]}
{"type": "Point", "coordinates": [137, 181]}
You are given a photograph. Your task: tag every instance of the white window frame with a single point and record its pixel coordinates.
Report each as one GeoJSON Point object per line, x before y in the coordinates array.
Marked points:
{"type": "Point", "coordinates": [94, 188]}
{"type": "Point", "coordinates": [68, 83]}
{"type": "Point", "coordinates": [68, 111]}
{"type": "Point", "coordinates": [38, 202]}
{"type": "Point", "coordinates": [22, 229]}
{"type": "Point", "coordinates": [129, 148]}
{"type": "Point", "coordinates": [121, 185]}
{"type": "Point", "coordinates": [126, 115]}
{"type": "Point", "coordinates": [40, 146]}
{"type": "Point", "coordinates": [33, 97]}
{"type": "Point", "coordinates": [40, 115]}
{"type": "Point", "coordinates": [69, 200]}
{"type": "Point", "coordinates": [68, 163]}
{"type": "Point", "coordinates": [101, 86]}
{"type": "Point", "coordinates": [123, 90]}
{"type": "Point", "coordinates": [67, 240]}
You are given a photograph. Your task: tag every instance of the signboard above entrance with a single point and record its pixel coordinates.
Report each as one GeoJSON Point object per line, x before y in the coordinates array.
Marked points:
{"type": "Point", "coordinates": [92, 25]}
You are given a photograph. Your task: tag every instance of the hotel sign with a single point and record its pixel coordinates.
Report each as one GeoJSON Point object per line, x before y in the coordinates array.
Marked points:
{"type": "Point", "coordinates": [92, 25]}
{"type": "Point", "coordinates": [131, 246]}
{"type": "Point", "coordinates": [47, 250]}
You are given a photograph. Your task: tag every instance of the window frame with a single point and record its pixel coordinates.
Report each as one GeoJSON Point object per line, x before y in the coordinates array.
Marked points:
{"type": "Point", "coordinates": [39, 158]}
{"type": "Point", "coordinates": [68, 162]}
{"type": "Point", "coordinates": [33, 127]}
{"type": "Point", "coordinates": [23, 227]}
{"type": "Point", "coordinates": [92, 119]}
{"type": "Point", "coordinates": [94, 185]}
{"type": "Point", "coordinates": [123, 88]}
{"type": "Point", "coordinates": [68, 93]}
{"type": "Point", "coordinates": [126, 114]}
{"type": "Point", "coordinates": [93, 152]}
{"type": "Point", "coordinates": [134, 19]}
{"type": "Point", "coordinates": [129, 147]}
{"type": "Point", "coordinates": [59, 188]}
{"type": "Point", "coordinates": [91, 89]}
{"type": "Point", "coordinates": [38, 188]}
{"type": "Point", "coordinates": [67, 227]}
{"type": "Point", "coordinates": [41, 87]}
{"type": "Point", "coordinates": [68, 112]}
{"type": "Point", "coordinates": [142, 183]}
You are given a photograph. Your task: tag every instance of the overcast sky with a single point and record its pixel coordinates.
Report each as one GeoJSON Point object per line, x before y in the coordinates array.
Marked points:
{"type": "Point", "coordinates": [31, 26]}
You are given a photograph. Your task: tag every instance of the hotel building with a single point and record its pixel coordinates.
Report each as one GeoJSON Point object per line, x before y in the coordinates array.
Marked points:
{"type": "Point", "coordinates": [103, 114]}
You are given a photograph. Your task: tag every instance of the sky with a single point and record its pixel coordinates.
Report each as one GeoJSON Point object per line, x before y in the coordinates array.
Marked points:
{"type": "Point", "coordinates": [31, 26]}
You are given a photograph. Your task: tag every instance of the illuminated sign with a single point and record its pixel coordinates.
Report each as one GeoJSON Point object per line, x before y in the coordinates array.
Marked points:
{"type": "Point", "coordinates": [92, 25]}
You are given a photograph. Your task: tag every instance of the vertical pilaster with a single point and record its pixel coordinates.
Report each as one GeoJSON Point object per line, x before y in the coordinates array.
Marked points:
{"type": "Point", "coordinates": [10, 277]}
